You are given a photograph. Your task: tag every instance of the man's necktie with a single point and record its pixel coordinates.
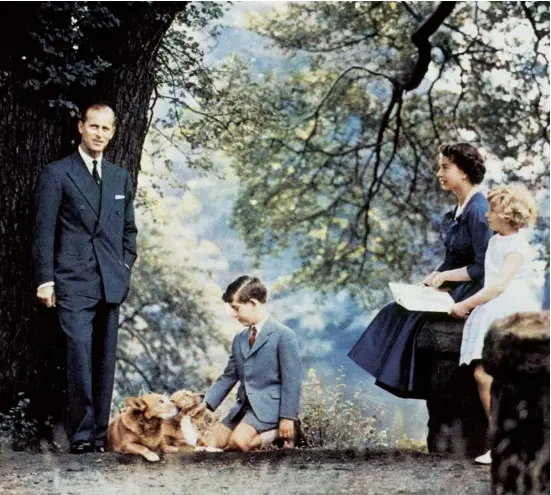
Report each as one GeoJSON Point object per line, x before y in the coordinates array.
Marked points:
{"type": "Point", "coordinates": [252, 338]}
{"type": "Point", "coordinates": [95, 173]}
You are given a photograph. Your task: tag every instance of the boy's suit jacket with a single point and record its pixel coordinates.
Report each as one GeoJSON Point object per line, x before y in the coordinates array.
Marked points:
{"type": "Point", "coordinates": [84, 237]}
{"type": "Point", "coordinates": [270, 374]}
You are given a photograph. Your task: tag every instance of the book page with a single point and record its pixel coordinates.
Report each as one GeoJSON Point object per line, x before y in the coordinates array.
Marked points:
{"type": "Point", "coordinates": [420, 298]}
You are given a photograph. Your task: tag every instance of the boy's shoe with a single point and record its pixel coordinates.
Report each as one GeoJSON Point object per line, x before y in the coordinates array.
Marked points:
{"type": "Point", "coordinates": [485, 458]}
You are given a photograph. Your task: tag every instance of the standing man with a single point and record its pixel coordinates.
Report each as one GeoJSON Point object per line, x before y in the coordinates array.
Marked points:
{"type": "Point", "coordinates": [84, 247]}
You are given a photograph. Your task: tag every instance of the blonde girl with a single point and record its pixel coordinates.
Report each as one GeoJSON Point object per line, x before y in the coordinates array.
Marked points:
{"type": "Point", "coordinates": [507, 288]}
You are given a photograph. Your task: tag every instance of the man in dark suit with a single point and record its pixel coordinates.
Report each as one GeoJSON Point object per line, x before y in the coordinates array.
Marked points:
{"type": "Point", "coordinates": [84, 247]}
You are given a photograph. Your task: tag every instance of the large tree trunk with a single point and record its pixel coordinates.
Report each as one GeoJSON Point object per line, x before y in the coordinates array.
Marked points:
{"type": "Point", "coordinates": [37, 127]}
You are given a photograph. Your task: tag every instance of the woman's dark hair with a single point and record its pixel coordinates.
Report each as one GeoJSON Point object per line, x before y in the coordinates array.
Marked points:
{"type": "Point", "coordinates": [244, 289]}
{"type": "Point", "coordinates": [467, 158]}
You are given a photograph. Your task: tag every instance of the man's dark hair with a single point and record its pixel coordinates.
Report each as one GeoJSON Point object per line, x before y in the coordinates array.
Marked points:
{"type": "Point", "coordinates": [244, 289]}
{"type": "Point", "coordinates": [97, 106]}
{"type": "Point", "coordinates": [467, 158]}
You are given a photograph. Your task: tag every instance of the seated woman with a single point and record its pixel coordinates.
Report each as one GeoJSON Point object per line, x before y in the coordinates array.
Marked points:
{"type": "Point", "coordinates": [386, 349]}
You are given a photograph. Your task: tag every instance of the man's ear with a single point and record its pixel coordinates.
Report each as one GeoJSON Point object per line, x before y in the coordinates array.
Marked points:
{"type": "Point", "coordinates": [254, 302]}
{"type": "Point", "coordinates": [80, 126]}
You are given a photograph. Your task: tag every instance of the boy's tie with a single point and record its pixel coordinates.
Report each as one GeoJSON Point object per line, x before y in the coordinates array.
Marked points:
{"type": "Point", "coordinates": [252, 337]}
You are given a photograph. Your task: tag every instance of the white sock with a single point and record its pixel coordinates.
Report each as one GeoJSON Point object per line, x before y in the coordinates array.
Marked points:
{"type": "Point", "coordinates": [268, 437]}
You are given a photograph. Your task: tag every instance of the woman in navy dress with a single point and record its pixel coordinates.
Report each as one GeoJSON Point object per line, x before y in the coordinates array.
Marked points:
{"type": "Point", "coordinates": [386, 349]}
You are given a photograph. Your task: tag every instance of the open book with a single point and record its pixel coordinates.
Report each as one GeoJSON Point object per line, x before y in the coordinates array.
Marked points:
{"type": "Point", "coordinates": [420, 298]}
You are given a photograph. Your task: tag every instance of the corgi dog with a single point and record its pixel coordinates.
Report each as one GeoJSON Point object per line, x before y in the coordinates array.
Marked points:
{"type": "Point", "coordinates": [182, 431]}
{"type": "Point", "coordinates": [138, 429]}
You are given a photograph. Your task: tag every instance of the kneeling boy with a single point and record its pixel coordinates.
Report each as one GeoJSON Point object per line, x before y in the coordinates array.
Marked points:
{"type": "Point", "coordinates": [265, 360]}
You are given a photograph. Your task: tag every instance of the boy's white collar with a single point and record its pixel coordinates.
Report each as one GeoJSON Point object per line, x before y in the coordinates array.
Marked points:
{"type": "Point", "coordinates": [260, 324]}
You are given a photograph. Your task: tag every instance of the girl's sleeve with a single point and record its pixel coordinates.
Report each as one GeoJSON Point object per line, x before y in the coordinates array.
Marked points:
{"type": "Point", "coordinates": [520, 245]}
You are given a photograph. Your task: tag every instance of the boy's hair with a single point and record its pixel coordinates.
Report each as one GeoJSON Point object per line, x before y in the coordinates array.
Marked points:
{"type": "Point", "coordinates": [244, 289]}
{"type": "Point", "coordinates": [514, 204]}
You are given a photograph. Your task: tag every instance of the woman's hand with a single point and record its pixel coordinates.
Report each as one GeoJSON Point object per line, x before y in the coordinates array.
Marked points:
{"type": "Point", "coordinates": [459, 310]}
{"type": "Point", "coordinates": [429, 279]}
{"type": "Point", "coordinates": [438, 279]}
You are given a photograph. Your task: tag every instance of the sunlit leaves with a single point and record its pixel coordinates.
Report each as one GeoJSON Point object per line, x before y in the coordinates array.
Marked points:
{"type": "Point", "coordinates": [168, 334]}
{"type": "Point", "coordinates": [302, 136]}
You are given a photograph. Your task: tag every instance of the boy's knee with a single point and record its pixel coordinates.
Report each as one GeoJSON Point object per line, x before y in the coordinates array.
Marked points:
{"type": "Point", "coordinates": [238, 443]}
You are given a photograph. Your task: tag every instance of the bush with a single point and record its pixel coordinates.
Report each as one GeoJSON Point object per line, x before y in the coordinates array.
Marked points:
{"type": "Point", "coordinates": [330, 420]}
{"type": "Point", "coordinates": [16, 430]}
{"type": "Point", "coordinates": [406, 443]}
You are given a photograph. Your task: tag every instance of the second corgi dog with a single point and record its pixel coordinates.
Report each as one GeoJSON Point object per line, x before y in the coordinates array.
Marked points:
{"type": "Point", "coordinates": [182, 430]}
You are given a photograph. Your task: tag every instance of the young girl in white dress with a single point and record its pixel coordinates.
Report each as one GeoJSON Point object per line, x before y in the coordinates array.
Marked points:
{"type": "Point", "coordinates": [507, 287]}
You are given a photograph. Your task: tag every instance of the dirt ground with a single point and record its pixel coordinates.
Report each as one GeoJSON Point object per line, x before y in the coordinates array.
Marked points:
{"type": "Point", "coordinates": [290, 472]}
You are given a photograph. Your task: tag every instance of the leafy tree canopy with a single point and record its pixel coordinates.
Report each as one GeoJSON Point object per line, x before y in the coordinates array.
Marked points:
{"type": "Point", "coordinates": [336, 147]}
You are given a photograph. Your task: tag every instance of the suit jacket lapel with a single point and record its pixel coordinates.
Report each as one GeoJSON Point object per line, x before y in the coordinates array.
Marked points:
{"type": "Point", "coordinates": [262, 337]}
{"type": "Point", "coordinates": [108, 188]}
{"type": "Point", "coordinates": [84, 182]}
{"type": "Point", "coordinates": [244, 343]}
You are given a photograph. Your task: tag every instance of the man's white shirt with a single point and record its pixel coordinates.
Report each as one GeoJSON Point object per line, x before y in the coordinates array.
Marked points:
{"type": "Point", "coordinates": [259, 325]}
{"type": "Point", "coordinates": [88, 161]}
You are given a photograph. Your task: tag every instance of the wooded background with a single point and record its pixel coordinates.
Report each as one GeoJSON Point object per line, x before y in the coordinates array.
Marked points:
{"type": "Point", "coordinates": [334, 150]}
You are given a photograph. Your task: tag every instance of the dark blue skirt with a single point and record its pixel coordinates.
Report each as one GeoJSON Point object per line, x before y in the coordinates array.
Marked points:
{"type": "Point", "coordinates": [386, 349]}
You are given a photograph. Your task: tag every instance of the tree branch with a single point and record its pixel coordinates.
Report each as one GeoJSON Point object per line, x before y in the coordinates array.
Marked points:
{"type": "Point", "coordinates": [421, 40]}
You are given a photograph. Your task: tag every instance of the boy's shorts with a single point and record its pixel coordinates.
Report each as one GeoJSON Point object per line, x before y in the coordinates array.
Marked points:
{"type": "Point", "coordinates": [247, 415]}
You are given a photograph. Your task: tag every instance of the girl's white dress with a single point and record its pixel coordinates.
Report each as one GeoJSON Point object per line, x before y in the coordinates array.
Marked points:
{"type": "Point", "coordinates": [517, 296]}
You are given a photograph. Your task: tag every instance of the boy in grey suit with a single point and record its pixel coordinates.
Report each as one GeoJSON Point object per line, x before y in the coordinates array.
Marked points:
{"type": "Point", "coordinates": [265, 360]}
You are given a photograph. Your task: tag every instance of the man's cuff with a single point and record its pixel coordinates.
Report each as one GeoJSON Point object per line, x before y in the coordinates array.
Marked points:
{"type": "Point", "coordinates": [209, 407]}
{"type": "Point", "coordinates": [45, 284]}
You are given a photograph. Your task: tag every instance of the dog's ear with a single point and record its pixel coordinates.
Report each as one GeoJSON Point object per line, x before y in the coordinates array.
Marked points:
{"type": "Point", "coordinates": [135, 403]}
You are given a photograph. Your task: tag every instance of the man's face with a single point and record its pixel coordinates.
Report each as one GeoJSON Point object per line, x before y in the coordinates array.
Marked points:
{"type": "Point", "coordinates": [97, 130]}
{"type": "Point", "coordinates": [245, 313]}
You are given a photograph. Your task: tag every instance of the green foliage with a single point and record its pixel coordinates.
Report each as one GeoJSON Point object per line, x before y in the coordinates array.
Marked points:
{"type": "Point", "coordinates": [57, 55]}
{"type": "Point", "coordinates": [405, 443]}
{"type": "Point", "coordinates": [167, 333]}
{"type": "Point", "coordinates": [58, 50]}
{"type": "Point", "coordinates": [330, 420]}
{"type": "Point", "coordinates": [181, 77]}
{"type": "Point", "coordinates": [335, 164]}
{"type": "Point", "coordinates": [16, 430]}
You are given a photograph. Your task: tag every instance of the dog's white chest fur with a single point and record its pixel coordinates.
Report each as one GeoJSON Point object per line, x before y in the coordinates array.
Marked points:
{"type": "Point", "coordinates": [188, 431]}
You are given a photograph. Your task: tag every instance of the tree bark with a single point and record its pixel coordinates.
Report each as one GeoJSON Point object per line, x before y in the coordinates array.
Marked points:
{"type": "Point", "coordinates": [36, 130]}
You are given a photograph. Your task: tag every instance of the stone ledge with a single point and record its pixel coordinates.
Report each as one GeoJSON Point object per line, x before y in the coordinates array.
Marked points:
{"type": "Point", "coordinates": [442, 335]}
